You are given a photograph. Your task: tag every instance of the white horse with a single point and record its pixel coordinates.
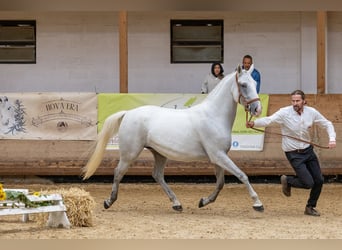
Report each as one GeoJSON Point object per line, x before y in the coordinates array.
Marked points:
{"type": "Point", "coordinates": [198, 133]}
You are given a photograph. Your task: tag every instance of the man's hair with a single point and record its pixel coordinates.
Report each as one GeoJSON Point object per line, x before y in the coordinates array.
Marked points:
{"type": "Point", "coordinates": [299, 92]}
{"type": "Point", "coordinates": [249, 57]}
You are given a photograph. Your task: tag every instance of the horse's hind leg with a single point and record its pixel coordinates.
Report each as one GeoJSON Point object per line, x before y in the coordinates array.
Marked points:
{"type": "Point", "coordinates": [158, 175]}
{"type": "Point", "coordinates": [219, 172]}
{"type": "Point", "coordinates": [119, 173]}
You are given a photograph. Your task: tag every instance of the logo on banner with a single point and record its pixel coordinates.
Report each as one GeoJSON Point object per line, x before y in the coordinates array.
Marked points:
{"type": "Point", "coordinates": [61, 112]}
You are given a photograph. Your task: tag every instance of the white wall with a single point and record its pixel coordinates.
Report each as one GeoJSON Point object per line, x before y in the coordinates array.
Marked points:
{"type": "Point", "coordinates": [78, 51]}
{"type": "Point", "coordinates": [272, 38]}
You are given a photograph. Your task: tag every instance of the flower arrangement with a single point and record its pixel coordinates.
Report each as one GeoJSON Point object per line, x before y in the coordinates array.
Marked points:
{"type": "Point", "coordinates": [2, 193]}
{"type": "Point", "coordinates": [20, 197]}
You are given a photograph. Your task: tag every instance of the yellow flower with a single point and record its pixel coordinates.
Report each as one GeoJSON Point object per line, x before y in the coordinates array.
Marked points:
{"type": "Point", "coordinates": [2, 195]}
{"type": "Point", "coordinates": [36, 194]}
{"type": "Point", "coordinates": [1, 188]}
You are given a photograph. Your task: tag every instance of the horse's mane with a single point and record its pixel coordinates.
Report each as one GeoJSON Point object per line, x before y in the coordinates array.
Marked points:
{"type": "Point", "coordinates": [220, 85]}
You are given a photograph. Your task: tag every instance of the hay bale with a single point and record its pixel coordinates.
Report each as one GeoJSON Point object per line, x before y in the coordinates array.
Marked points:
{"type": "Point", "coordinates": [79, 204]}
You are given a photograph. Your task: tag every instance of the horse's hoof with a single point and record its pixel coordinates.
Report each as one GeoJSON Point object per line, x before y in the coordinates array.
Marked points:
{"type": "Point", "coordinates": [201, 203]}
{"type": "Point", "coordinates": [259, 208]}
{"type": "Point", "coordinates": [178, 208]}
{"type": "Point", "coordinates": [106, 205]}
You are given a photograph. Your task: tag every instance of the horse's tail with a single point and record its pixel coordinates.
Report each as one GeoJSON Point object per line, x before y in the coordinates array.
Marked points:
{"type": "Point", "coordinates": [110, 128]}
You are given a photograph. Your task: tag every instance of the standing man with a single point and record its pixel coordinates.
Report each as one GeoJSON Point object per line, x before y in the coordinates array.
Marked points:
{"type": "Point", "coordinates": [295, 121]}
{"type": "Point", "coordinates": [247, 62]}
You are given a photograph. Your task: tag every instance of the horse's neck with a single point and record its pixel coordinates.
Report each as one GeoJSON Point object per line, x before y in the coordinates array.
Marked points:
{"type": "Point", "coordinates": [223, 98]}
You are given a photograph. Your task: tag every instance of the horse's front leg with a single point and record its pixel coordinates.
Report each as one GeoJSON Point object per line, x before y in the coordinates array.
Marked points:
{"type": "Point", "coordinates": [119, 172]}
{"type": "Point", "coordinates": [158, 175]}
{"type": "Point", "coordinates": [219, 172]}
{"type": "Point", "coordinates": [226, 163]}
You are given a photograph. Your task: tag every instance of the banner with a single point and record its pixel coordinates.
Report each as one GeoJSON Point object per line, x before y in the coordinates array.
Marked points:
{"type": "Point", "coordinates": [245, 138]}
{"type": "Point", "coordinates": [242, 137]}
{"type": "Point", "coordinates": [48, 116]}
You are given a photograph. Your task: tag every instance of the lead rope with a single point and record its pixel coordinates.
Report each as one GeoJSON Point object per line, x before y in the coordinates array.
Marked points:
{"type": "Point", "coordinates": [289, 136]}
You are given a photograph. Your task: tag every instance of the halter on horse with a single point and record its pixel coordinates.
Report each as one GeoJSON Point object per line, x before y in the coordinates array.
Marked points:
{"type": "Point", "coordinates": [202, 132]}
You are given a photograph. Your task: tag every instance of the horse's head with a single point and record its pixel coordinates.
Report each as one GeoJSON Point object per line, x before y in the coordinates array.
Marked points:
{"type": "Point", "coordinates": [6, 111]}
{"type": "Point", "coordinates": [3, 101]}
{"type": "Point", "coordinates": [248, 96]}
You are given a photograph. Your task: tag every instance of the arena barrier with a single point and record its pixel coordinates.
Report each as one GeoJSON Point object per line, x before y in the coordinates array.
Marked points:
{"type": "Point", "coordinates": [55, 208]}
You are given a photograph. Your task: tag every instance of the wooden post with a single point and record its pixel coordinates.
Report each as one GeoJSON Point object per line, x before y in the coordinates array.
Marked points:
{"type": "Point", "coordinates": [321, 51]}
{"type": "Point", "coordinates": [123, 52]}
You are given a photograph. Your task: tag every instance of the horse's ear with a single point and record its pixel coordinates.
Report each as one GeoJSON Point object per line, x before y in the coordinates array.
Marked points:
{"type": "Point", "coordinates": [239, 69]}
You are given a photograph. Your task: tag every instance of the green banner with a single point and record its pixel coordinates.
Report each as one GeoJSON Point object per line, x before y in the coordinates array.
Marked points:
{"type": "Point", "coordinates": [109, 103]}
{"type": "Point", "coordinates": [112, 103]}
{"type": "Point", "coordinates": [240, 119]}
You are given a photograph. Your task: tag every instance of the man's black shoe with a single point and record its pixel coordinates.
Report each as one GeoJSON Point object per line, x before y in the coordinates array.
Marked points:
{"type": "Point", "coordinates": [311, 211]}
{"type": "Point", "coordinates": [285, 186]}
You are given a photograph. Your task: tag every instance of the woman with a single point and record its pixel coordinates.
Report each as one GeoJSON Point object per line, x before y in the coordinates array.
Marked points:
{"type": "Point", "coordinates": [213, 78]}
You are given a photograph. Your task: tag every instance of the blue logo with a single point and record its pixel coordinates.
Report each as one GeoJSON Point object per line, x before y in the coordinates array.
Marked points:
{"type": "Point", "coordinates": [235, 144]}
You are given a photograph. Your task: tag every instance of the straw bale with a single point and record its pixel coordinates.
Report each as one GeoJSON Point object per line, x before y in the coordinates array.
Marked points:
{"type": "Point", "coordinates": [79, 204]}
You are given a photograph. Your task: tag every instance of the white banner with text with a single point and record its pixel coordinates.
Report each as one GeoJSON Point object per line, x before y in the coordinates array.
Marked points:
{"type": "Point", "coordinates": [48, 116]}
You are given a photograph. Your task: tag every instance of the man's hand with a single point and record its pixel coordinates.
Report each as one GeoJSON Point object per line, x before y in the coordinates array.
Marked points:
{"type": "Point", "coordinates": [250, 124]}
{"type": "Point", "coordinates": [332, 144]}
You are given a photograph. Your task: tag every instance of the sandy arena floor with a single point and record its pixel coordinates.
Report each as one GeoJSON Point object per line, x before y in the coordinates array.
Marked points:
{"type": "Point", "coordinates": [143, 211]}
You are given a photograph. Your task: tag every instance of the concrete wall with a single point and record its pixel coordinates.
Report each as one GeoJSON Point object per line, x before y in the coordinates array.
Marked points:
{"type": "Point", "coordinates": [78, 51]}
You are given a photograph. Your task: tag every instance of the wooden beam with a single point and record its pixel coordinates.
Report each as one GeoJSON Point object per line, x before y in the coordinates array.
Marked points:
{"type": "Point", "coordinates": [123, 52]}
{"type": "Point", "coordinates": [321, 51]}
